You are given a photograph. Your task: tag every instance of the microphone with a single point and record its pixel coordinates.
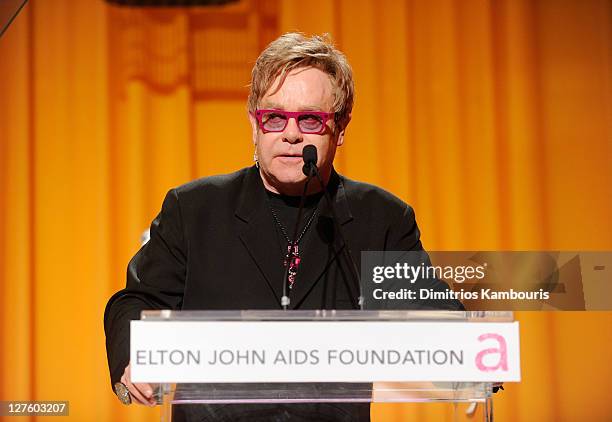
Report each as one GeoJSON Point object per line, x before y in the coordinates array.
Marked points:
{"type": "Point", "coordinates": [309, 153]}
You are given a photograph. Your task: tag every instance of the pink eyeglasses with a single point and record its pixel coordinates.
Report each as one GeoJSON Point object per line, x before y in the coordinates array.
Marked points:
{"type": "Point", "coordinates": [311, 122]}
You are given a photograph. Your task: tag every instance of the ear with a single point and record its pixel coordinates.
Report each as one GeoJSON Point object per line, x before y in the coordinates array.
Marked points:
{"type": "Point", "coordinates": [340, 138]}
{"type": "Point", "coordinates": [254, 126]}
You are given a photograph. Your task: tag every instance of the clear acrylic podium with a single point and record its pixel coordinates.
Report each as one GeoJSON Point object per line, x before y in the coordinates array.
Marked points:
{"type": "Point", "coordinates": [169, 395]}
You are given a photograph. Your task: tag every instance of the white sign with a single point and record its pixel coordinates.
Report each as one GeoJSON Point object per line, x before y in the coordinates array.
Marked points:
{"type": "Point", "coordinates": [323, 351]}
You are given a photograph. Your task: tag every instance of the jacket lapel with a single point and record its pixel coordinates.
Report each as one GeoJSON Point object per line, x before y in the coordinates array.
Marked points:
{"type": "Point", "coordinates": [258, 232]}
{"type": "Point", "coordinates": [322, 248]}
{"type": "Point", "coordinates": [319, 250]}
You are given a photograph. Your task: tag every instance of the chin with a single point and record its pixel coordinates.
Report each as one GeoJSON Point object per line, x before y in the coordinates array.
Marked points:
{"type": "Point", "coordinates": [289, 176]}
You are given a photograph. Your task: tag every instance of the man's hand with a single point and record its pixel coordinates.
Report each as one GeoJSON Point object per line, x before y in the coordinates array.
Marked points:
{"type": "Point", "coordinates": [498, 386]}
{"type": "Point", "coordinates": [142, 393]}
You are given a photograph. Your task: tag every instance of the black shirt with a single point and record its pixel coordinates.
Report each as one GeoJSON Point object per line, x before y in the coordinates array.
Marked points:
{"type": "Point", "coordinates": [285, 210]}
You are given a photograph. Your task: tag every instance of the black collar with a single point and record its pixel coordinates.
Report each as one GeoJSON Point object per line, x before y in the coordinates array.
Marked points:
{"type": "Point", "coordinates": [257, 232]}
{"type": "Point", "coordinates": [253, 197]}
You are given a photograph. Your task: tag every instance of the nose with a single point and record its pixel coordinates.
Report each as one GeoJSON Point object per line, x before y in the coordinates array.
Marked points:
{"type": "Point", "coordinates": [292, 133]}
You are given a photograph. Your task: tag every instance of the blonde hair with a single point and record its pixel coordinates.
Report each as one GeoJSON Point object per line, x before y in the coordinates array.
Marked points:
{"type": "Point", "coordinates": [294, 50]}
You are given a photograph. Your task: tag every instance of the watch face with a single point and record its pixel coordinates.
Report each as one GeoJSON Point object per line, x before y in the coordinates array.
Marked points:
{"type": "Point", "coordinates": [123, 393]}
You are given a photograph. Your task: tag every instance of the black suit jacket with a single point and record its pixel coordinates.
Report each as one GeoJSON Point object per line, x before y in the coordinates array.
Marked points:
{"type": "Point", "coordinates": [214, 246]}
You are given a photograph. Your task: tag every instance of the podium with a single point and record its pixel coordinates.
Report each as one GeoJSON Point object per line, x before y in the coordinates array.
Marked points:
{"type": "Point", "coordinates": [246, 357]}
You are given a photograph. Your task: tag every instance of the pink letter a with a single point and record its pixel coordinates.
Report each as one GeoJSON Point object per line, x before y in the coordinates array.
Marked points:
{"type": "Point", "coordinates": [502, 350]}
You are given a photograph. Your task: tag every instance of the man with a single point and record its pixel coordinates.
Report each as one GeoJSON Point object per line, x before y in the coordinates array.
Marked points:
{"type": "Point", "coordinates": [222, 242]}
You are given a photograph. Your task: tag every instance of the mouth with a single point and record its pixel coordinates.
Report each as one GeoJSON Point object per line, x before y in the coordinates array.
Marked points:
{"type": "Point", "coordinates": [290, 156]}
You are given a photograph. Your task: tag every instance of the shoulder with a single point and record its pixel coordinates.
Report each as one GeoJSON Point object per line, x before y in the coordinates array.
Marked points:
{"type": "Point", "coordinates": [372, 204]}
{"type": "Point", "coordinates": [211, 187]}
{"type": "Point", "coordinates": [209, 193]}
{"type": "Point", "coordinates": [378, 210]}
{"type": "Point", "coordinates": [211, 184]}
{"type": "Point", "coordinates": [361, 193]}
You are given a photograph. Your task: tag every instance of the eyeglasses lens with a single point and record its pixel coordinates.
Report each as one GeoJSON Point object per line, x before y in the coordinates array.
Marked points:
{"type": "Point", "coordinates": [276, 122]}
{"type": "Point", "coordinates": [310, 123]}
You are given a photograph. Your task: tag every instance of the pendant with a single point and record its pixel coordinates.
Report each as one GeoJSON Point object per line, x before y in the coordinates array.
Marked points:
{"type": "Point", "coordinates": [293, 260]}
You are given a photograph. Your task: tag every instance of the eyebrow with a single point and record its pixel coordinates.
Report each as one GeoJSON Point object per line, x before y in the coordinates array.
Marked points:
{"type": "Point", "coordinates": [277, 106]}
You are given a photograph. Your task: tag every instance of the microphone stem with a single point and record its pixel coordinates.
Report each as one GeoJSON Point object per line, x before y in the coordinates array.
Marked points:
{"type": "Point", "coordinates": [347, 251]}
{"type": "Point", "coordinates": [285, 299]}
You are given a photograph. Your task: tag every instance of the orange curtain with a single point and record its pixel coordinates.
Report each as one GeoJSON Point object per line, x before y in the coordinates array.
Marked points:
{"type": "Point", "coordinates": [491, 117]}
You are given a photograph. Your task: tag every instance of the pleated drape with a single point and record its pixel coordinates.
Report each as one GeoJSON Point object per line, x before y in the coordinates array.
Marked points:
{"type": "Point", "coordinates": [490, 117]}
